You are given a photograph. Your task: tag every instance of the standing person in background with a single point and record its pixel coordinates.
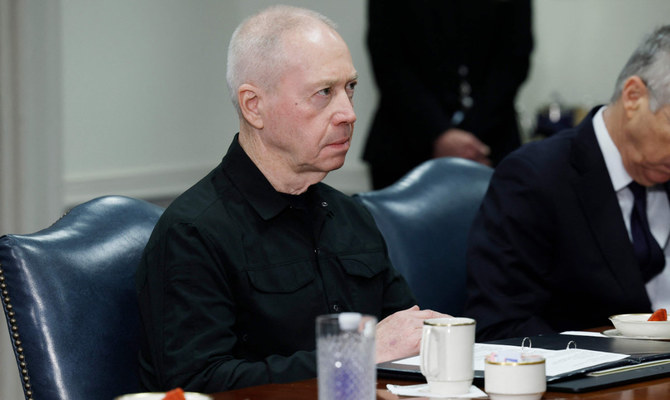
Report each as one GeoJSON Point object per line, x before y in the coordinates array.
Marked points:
{"type": "Point", "coordinates": [448, 73]}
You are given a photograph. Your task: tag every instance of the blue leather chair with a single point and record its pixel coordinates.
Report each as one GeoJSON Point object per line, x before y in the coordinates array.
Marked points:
{"type": "Point", "coordinates": [69, 297]}
{"type": "Point", "coordinates": [425, 218]}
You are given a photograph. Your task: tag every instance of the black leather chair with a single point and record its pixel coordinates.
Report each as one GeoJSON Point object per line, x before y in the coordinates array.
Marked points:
{"type": "Point", "coordinates": [69, 297]}
{"type": "Point", "coordinates": [425, 218]}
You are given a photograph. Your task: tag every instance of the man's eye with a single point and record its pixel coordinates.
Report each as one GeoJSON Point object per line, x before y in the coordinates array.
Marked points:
{"type": "Point", "coordinates": [350, 89]}
{"type": "Point", "coordinates": [324, 92]}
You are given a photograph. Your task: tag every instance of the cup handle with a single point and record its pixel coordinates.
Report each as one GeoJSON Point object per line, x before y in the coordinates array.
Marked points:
{"type": "Point", "coordinates": [425, 354]}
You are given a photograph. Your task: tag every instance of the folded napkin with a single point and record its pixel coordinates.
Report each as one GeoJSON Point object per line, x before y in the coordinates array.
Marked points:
{"type": "Point", "coordinates": [423, 391]}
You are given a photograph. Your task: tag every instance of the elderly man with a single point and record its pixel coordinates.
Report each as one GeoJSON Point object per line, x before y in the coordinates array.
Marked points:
{"type": "Point", "coordinates": [240, 265]}
{"type": "Point", "coordinates": [562, 239]}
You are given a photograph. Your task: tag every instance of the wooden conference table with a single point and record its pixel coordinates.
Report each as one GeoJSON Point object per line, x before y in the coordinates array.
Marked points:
{"type": "Point", "coordinates": [658, 389]}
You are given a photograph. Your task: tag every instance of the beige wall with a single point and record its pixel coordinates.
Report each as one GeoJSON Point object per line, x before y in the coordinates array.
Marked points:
{"type": "Point", "coordinates": [581, 45]}
{"type": "Point", "coordinates": [146, 112]}
{"type": "Point", "coordinates": [146, 108]}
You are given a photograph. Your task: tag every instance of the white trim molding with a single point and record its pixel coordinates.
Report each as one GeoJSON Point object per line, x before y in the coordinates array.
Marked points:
{"type": "Point", "coordinates": [161, 183]}
{"type": "Point", "coordinates": [144, 183]}
{"type": "Point", "coordinates": [30, 134]}
{"type": "Point", "coordinates": [30, 102]}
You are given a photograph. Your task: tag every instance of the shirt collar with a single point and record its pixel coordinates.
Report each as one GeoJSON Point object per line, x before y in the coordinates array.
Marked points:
{"type": "Point", "coordinates": [255, 187]}
{"type": "Point", "coordinates": [251, 182]}
{"type": "Point", "coordinates": [618, 174]}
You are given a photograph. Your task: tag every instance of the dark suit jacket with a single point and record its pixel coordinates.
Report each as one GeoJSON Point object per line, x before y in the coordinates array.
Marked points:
{"type": "Point", "coordinates": [417, 48]}
{"type": "Point", "coordinates": [549, 250]}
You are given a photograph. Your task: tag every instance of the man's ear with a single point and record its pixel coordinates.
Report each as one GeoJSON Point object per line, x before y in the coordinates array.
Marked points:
{"type": "Point", "coordinates": [250, 102]}
{"type": "Point", "coordinates": [634, 95]}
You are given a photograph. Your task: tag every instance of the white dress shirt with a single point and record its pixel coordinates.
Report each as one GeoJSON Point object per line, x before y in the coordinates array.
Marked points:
{"type": "Point", "coordinates": [658, 288]}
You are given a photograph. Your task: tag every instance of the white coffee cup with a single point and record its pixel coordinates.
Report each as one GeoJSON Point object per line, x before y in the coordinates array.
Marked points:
{"type": "Point", "coordinates": [523, 378]}
{"type": "Point", "coordinates": [447, 346]}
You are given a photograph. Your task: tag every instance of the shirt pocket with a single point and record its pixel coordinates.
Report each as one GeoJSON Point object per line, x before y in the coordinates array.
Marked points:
{"type": "Point", "coordinates": [277, 300]}
{"type": "Point", "coordinates": [366, 276]}
{"type": "Point", "coordinates": [364, 265]}
{"type": "Point", "coordinates": [282, 279]}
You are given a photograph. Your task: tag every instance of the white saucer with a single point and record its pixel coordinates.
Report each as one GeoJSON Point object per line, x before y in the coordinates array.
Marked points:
{"type": "Point", "coordinates": [423, 391]}
{"type": "Point", "coordinates": [616, 334]}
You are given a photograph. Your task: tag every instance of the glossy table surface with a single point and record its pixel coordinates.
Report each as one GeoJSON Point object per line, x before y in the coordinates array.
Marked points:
{"type": "Point", "coordinates": [654, 389]}
{"type": "Point", "coordinates": [657, 389]}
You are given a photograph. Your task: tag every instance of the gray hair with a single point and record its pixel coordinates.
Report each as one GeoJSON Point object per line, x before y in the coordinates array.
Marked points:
{"type": "Point", "coordinates": [651, 62]}
{"type": "Point", "coordinates": [255, 51]}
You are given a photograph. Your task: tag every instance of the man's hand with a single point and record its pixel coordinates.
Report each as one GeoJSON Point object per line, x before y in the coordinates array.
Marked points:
{"type": "Point", "coordinates": [460, 143]}
{"type": "Point", "coordinates": [399, 334]}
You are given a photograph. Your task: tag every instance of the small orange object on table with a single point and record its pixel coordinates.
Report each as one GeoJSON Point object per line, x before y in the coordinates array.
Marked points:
{"type": "Point", "coordinates": [659, 315]}
{"type": "Point", "coordinates": [175, 394]}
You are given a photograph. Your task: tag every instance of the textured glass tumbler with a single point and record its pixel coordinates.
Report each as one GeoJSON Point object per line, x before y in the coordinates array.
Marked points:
{"type": "Point", "coordinates": [345, 354]}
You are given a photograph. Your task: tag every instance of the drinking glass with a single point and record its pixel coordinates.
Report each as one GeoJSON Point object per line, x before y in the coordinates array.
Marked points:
{"type": "Point", "coordinates": [345, 347]}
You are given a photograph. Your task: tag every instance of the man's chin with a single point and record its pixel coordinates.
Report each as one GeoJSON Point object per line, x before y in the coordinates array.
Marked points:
{"type": "Point", "coordinates": [335, 164]}
{"type": "Point", "coordinates": [657, 177]}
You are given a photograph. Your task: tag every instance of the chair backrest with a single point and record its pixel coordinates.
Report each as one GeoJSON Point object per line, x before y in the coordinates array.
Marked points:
{"type": "Point", "coordinates": [425, 218]}
{"type": "Point", "coordinates": [69, 298]}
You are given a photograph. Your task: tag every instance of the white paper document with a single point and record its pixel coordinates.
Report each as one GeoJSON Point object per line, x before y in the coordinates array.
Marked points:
{"type": "Point", "coordinates": [558, 362]}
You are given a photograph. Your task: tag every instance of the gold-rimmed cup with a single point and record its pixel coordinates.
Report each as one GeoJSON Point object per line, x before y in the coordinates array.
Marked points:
{"type": "Point", "coordinates": [523, 378]}
{"type": "Point", "coordinates": [447, 346]}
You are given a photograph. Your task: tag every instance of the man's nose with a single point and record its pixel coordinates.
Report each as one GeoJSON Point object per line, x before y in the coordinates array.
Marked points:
{"type": "Point", "coordinates": [345, 109]}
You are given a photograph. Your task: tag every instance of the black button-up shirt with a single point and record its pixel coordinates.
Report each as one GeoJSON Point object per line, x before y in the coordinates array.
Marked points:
{"type": "Point", "coordinates": [235, 274]}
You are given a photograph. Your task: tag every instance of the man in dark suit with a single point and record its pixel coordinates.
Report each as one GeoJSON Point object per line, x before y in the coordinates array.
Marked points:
{"type": "Point", "coordinates": [447, 73]}
{"type": "Point", "coordinates": [553, 247]}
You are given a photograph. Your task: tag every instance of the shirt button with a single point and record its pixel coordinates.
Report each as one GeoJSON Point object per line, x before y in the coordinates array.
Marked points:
{"type": "Point", "coordinates": [336, 307]}
{"type": "Point", "coordinates": [324, 204]}
{"type": "Point", "coordinates": [317, 251]}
